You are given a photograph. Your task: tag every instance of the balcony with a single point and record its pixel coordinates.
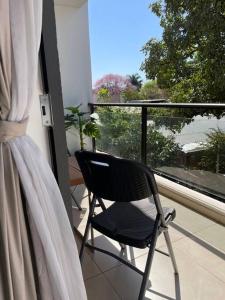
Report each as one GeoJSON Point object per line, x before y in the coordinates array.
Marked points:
{"type": "Point", "coordinates": [197, 194]}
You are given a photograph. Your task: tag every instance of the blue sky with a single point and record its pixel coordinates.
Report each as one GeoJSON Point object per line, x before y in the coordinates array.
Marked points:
{"type": "Point", "coordinates": [118, 31]}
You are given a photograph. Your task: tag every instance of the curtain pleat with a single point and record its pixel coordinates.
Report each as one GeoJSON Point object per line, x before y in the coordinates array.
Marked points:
{"type": "Point", "coordinates": [17, 271]}
{"type": "Point", "coordinates": [5, 60]}
{"type": "Point", "coordinates": [56, 257]}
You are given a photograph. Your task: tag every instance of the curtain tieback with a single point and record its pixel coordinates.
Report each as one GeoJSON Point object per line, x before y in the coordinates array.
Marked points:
{"type": "Point", "coordinates": [11, 130]}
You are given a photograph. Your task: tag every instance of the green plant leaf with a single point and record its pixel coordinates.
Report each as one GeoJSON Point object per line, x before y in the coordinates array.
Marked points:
{"type": "Point", "coordinates": [91, 129]}
{"type": "Point", "coordinates": [74, 109]}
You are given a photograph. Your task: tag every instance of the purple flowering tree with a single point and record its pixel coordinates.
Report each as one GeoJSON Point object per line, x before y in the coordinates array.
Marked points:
{"type": "Point", "coordinates": [112, 86]}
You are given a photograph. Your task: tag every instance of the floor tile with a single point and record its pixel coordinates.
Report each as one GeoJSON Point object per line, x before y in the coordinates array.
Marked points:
{"type": "Point", "coordinates": [79, 218]}
{"type": "Point", "coordinates": [215, 235]}
{"type": "Point", "coordinates": [175, 235]}
{"type": "Point", "coordinates": [106, 262]}
{"type": "Point", "coordinates": [128, 282]}
{"type": "Point", "coordinates": [194, 281]}
{"type": "Point", "coordinates": [202, 273]}
{"type": "Point", "coordinates": [98, 288]}
{"type": "Point", "coordinates": [89, 268]}
{"type": "Point", "coordinates": [202, 256]}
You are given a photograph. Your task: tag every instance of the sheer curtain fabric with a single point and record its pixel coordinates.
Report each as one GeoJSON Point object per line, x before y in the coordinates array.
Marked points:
{"type": "Point", "coordinates": [59, 271]}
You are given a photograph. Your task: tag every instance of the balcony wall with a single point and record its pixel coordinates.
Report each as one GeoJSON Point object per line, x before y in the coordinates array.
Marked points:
{"type": "Point", "coordinates": [74, 57]}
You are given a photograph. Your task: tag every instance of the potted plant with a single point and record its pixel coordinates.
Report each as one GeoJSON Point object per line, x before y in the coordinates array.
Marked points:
{"type": "Point", "coordinates": [86, 124]}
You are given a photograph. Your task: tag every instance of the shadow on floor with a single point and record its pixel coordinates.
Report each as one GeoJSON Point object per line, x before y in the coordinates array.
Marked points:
{"type": "Point", "coordinates": [128, 255]}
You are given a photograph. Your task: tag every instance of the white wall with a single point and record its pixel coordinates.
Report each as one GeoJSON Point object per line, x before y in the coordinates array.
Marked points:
{"type": "Point", "coordinates": [74, 56]}
{"type": "Point", "coordinates": [75, 65]}
{"type": "Point", "coordinates": [74, 53]}
{"type": "Point", "coordinates": [35, 128]}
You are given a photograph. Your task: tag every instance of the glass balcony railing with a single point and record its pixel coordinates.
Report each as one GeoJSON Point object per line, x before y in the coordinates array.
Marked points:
{"type": "Point", "coordinates": [182, 142]}
{"type": "Point", "coordinates": [120, 131]}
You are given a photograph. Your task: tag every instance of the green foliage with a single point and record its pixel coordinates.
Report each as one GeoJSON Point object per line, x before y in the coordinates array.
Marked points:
{"type": "Point", "coordinates": [151, 90]}
{"type": "Point", "coordinates": [169, 119]}
{"type": "Point", "coordinates": [161, 150]}
{"type": "Point", "coordinates": [91, 129]}
{"type": "Point", "coordinates": [121, 135]}
{"type": "Point", "coordinates": [214, 155]}
{"type": "Point", "coordinates": [131, 94]}
{"type": "Point", "coordinates": [103, 94]}
{"type": "Point", "coordinates": [86, 125]}
{"type": "Point", "coordinates": [135, 80]}
{"type": "Point", "coordinates": [189, 61]}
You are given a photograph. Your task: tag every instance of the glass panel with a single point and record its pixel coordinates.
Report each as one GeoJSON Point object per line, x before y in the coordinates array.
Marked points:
{"type": "Point", "coordinates": [120, 132]}
{"type": "Point", "coordinates": [188, 150]}
{"type": "Point", "coordinates": [185, 146]}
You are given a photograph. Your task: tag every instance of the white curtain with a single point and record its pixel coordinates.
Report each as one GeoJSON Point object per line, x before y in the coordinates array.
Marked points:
{"type": "Point", "coordinates": [56, 253]}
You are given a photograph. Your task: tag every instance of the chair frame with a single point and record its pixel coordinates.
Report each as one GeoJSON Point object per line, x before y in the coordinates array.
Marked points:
{"type": "Point", "coordinates": [160, 226]}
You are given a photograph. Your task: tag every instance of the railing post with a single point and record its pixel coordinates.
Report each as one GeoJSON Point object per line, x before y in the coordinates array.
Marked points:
{"type": "Point", "coordinates": [92, 108]}
{"type": "Point", "coordinates": [144, 115]}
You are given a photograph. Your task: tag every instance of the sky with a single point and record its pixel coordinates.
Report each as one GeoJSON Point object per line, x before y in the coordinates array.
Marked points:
{"type": "Point", "coordinates": [118, 31]}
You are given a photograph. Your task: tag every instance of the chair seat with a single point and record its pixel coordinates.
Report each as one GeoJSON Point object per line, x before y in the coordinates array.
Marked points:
{"type": "Point", "coordinates": [130, 223]}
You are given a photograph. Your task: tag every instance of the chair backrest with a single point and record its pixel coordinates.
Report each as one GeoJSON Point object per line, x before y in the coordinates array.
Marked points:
{"type": "Point", "coordinates": [116, 179]}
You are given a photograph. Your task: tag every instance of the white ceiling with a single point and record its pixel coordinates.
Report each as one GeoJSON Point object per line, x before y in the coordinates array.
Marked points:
{"type": "Point", "coordinates": [75, 3]}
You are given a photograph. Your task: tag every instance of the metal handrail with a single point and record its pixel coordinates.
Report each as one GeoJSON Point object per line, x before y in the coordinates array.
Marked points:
{"type": "Point", "coordinates": [162, 105]}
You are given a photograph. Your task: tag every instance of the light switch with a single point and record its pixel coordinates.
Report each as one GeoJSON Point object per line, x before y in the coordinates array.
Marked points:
{"type": "Point", "coordinates": [46, 110]}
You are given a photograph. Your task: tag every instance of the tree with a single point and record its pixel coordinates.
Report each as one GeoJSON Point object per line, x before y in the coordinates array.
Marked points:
{"type": "Point", "coordinates": [103, 94]}
{"type": "Point", "coordinates": [189, 61]}
{"type": "Point", "coordinates": [151, 90]}
{"type": "Point", "coordinates": [121, 135]}
{"type": "Point", "coordinates": [214, 155]}
{"type": "Point", "coordinates": [131, 94]}
{"type": "Point", "coordinates": [135, 80]}
{"type": "Point", "coordinates": [112, 85]}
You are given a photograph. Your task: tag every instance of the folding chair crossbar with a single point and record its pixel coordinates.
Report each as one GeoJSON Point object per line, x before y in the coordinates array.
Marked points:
{"type": "Point", "coordinates": [116, 257]}
{"type": "Point", "coordinates": [162, 252]}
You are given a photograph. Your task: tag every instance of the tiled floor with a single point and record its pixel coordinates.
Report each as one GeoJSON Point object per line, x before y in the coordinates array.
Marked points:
{"type": "Point", "coordinates": [198, 244]}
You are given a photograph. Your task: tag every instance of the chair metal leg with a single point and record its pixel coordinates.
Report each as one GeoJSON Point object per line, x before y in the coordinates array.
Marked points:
{"type": "Point", "coordinates": [84, 240]}
{"type": "Point", "coordinates": [92, 230]}
{"type": "Point", "coordinates": [91, 212]}
{"type": "Point", "coordinates": [122, 246]}
{"type": "Point", "coordinates": [101, 203]}
{"type": "Point", "coordinates": [75, 200]}
{"type": "Point", "coordinates": [148, 267]}
{"type": "Point", "coordinates": [170, 249]}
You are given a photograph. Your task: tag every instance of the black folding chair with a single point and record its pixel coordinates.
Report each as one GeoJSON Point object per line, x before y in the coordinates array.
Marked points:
{"type": "Point", "coordinates": [136, 218]}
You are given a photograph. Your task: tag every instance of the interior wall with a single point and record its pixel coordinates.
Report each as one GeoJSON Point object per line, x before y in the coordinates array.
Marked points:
{"type": "Point", "coordinates": [75, 62]}
{"type": "Point", "coordinates": [35, 128]}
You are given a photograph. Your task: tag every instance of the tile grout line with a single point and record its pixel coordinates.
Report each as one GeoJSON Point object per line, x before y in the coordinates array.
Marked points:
{"type": "Point", "coordinates": [101, 274]}
{"type": "Point", "coordinates": [218, 252]}
{"type": "Point", "coordinates": [214, 275]}
{"type": "Point", "coordinates": [119, 296]}
{"type": "Point", "coordinates": [201, 264]}
{"type": "Point", "coordinates": [193, 231]}
{"type": "Point", "coordinates": [138, 256]}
